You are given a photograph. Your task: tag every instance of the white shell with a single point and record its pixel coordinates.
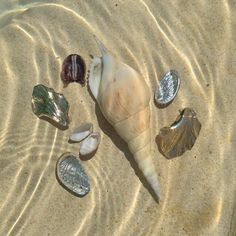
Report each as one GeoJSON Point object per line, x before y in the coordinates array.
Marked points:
{"type": "Point", "coordinates": [80, 133]}
{"type": "Point", "coordinates": [94, 76]}
{"type": "Point", "coordinates": [90, 144]}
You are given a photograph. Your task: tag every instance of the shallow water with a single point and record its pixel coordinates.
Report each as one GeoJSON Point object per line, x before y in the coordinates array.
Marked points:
{"type": "Point", "coordinates": [196, 38]}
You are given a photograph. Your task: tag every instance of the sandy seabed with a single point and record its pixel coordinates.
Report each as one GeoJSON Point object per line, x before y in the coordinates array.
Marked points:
{"type": "Point", "coordinates": [198, 189]}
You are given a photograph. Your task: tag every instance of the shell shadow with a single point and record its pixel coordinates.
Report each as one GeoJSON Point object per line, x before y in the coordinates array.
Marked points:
{"type": "Point", "coordinates": [72, 142]}
{"type": "Point", "coordinates": [119, 143]}
{"type": "Point", "coordinates": [83, 157]}
{"type": "Point", "coordinates": [54, 123]}
{"type": "Point", "coordinates": [88, 156]}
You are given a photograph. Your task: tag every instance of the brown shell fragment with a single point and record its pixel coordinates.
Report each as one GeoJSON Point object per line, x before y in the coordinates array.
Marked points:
{"type": "Point", "coordinates": [73, 70]}
{"type": "Point", "coordinates": [173, 141]}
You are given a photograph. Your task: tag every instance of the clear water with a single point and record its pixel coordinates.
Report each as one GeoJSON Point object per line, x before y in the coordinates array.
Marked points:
{"type": "Point", "coordinates": [196, 38]}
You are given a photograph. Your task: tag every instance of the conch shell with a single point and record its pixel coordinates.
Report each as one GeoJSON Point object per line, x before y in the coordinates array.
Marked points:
{"type": "Point", "coordinates": [123, 97]}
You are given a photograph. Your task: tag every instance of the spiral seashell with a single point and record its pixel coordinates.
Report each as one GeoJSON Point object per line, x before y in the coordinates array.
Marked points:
{"type": "Point", "coordinates": [115, 86]}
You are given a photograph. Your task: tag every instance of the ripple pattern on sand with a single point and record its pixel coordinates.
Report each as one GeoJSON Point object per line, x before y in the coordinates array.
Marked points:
{"type": "Point", "coordinates": [198, 189]}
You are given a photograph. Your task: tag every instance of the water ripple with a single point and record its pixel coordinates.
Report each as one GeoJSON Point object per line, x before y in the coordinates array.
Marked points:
{"type": "Point", "coordinates": [198, 190]}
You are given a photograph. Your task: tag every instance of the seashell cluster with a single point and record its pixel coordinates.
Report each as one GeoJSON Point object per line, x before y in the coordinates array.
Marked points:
{"type": "Point", "coordinates": [47, 103]}
{"type": "Point", "coordinates": [73, 70]}
{"type": "Point", "coordinates": [90, 140]}
{"type": "Point", "coordinates": [123, 97]}
{"type": "Point", "coordinates": [168, 89]}
{"type": "Point", "coordinates": [173, 141]}
{"type": "Point", "coordinates": [71, 174]}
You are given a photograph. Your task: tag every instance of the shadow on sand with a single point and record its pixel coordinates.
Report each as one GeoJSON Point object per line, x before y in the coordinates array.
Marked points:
{"type": "Point", "coordinates": [119, 143]}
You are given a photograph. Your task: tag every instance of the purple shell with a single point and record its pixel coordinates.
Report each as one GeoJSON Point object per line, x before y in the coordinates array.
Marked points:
{"type": "Point", "coordinates": [73, 70]}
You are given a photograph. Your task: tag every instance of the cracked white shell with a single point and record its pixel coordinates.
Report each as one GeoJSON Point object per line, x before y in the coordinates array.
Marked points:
{"type": "Point", "coordinates": [90, 144]}
{"type": "Point", "coordinates": [81, 132]}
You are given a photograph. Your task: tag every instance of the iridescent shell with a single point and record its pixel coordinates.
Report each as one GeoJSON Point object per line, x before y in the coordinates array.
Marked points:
{"type": "Point", "coordinates": [46, 103]}
{"type": "Point", "coordinates": [73, 70]}
{"type": "Point", "coordinates": [71, 174]}
{"type": "Point", "coordinates": [173, 141]}
{"type": "Point", "coordinates": [168, 89]}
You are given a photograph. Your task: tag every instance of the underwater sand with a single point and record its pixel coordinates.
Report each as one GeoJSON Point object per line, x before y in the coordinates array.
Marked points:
{"type": "Point", "coordinates": [198, 189]}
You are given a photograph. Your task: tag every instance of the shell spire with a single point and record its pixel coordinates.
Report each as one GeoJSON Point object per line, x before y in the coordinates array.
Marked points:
{"type": "Point", "coordinates": [115, 86]}
{"type": "Point", "coordinates": [101, 46]}
{"type": "Point", "coordinates": [146, 166]}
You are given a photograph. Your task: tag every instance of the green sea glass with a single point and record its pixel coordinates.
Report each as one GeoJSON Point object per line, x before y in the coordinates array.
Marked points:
{"type": "Point", "coordinates": [48, 104]}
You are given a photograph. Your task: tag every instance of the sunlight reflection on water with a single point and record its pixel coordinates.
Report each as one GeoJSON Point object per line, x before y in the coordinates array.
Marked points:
{"type": "Point", "coordinates": [198, 189]}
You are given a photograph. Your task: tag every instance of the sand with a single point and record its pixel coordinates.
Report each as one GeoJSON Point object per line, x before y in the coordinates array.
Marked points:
{"type": "Point", "coordinates": [198, 189]}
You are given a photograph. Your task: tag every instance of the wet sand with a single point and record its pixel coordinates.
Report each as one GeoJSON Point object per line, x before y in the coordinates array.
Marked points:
{"type": "Point", "coordinates": [198, 189]}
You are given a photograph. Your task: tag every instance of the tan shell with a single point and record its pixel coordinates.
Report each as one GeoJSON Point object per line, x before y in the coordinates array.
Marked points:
{"type": "Point", "coordinates": [173, 141]}
{"type": "Point", "coordinates": [123, 97]}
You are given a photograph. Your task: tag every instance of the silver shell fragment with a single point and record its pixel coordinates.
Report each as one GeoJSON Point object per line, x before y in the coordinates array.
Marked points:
{"type": "Point", "coordinates": [90, 144]}
{"type": "Point", "coordinates": [80, 133]}
{"type": "Point", "coordinates": [168, 89]}
{"type": "Point", "coordinates": [71, 174]}
{"type": "Point", "coordinates": [173, 141]}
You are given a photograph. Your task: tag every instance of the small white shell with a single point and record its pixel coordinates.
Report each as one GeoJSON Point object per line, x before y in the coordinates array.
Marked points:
{"type": "Point", "coordinates": [80, 133]}
{"type": "Point", "coordinates": [90, 144]}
